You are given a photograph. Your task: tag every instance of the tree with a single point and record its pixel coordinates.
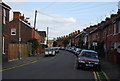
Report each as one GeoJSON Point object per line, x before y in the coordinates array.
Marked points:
{"type": "Point", "coordinates": [35, 44]}
{"type": "Point", "coordinates": [65, 42]}
{"type": "Point", "coordinates": [54, 43]}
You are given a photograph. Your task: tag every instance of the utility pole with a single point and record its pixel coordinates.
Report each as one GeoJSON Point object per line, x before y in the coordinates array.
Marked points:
{"type": "Point", "coordinates": [35, 19]}
{"type": "Point", "coordinates": [34, 24]}
{"type": "Point", "coordinates": [47, 34]}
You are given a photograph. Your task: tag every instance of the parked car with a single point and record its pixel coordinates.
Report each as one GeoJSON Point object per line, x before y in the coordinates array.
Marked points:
{"type": "Point", "coordinates": [49, 51]}
{"type": "Point", "coordinates": [73, 49]}
{"type": "Point", "coordinates": [62, 48]}
{"type": "Point", "coordinates": [77, 51]}
{"type": "Point", "coordinates": [68, 48]}
{"type": "Point", "coordinates": [56, 49]}
{"type": "Point", "coordinates": [88, 58]}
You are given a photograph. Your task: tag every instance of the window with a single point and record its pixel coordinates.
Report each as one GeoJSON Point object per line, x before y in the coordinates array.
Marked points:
{"type": "Point", "coordinates": [119, 27]}
{"type": "Point", "coordinates": [3, 45]}
{"type": "Point", "coordinates": [4, 16]}
{"type": "Point", "coordinates": [13, 31]}
{"type": "Point", "coordinates": [115, 29]}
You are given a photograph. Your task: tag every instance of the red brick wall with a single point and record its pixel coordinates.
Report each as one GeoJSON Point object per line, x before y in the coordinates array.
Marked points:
{"type": "Point", "coordinates": [36, 35]}
{"type": "Point", "coordinates": [26, 33]}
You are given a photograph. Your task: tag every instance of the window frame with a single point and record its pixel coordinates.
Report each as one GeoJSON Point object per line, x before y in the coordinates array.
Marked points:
{"type": "Point", "coordinates": [114, 29]}
{"type": "Point", "coordinates": [4, 16]}
{"type": "Point", "coordinates": [13, 30]}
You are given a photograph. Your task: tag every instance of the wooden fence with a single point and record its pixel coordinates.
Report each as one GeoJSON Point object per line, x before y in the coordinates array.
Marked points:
{"type": "Point", "coordinates": [14, 54]}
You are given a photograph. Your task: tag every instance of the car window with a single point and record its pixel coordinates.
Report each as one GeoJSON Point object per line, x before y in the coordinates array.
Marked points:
{"type": "Point", "coordinates": [90, 54]}
{"type": "Point", "coordinates": [79, 51]}
{"type": "Point", "coordinates": [47, 49]}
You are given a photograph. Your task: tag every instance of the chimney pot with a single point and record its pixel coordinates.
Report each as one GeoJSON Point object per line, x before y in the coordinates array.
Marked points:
{"type": "Point", "coordinates": [22, 17]}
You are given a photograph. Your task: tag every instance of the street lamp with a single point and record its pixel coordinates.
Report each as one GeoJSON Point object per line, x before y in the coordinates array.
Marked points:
{"type": "Point", "coordinates": [19, 48]}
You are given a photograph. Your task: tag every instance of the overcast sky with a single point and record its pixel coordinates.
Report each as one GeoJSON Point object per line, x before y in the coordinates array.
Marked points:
{"type": "Point", "coordinates": [63, 18]}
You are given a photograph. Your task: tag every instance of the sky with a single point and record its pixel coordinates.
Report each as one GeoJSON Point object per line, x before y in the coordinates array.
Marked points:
{"type": "Point", "coordinates": [64, 17]}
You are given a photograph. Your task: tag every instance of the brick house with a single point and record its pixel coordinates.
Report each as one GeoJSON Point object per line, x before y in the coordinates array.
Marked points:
{"type": "Point", "coordinates": [59, 42]}
{"type": "Point", "coordinates": [15, 31]}
{"type": "Point", "coordinates": [50, 43]}
{"type": "Point", "coordinates": [108, 32]}
{"type": "Point", "coordinates": [43, 36]}
{"type": "Point", "coordinates": [19, 30]}
{"type": "Point", "coordinates": [5, 19]}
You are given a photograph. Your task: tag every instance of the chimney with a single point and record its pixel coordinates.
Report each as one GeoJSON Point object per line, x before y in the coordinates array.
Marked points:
{"type": "Point", "coordinates": [22, 17]}
{"type": "Point", "coordinates": [26, 21]}
{"type": "Point", "coordinates": [107, 19]}
{"type": "Point", "coordinates": [103, 22]}
{"type": "Point", "coordinates": [84, 29]}
{"type": "Point", "coordinates": [16, 15]}
{"type": "Point", "coordinates": [113, 16]}
{"type": "Point", "coordinates": [78, 31]}
{"type": "Point", "coordinates": [29, 23]}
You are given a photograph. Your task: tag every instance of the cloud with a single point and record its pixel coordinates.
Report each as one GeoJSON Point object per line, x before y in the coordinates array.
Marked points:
{"type": "Point", "coordinates": [57, 23]}
{"type": "Point", "coordinates": [65, 20]}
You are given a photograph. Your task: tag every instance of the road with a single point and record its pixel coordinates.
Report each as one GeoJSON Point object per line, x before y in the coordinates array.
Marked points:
{"type": "Point", "coordinates": [61, 66]}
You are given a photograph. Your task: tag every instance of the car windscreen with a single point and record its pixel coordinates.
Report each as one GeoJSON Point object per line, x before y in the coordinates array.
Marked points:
{"type": "Point", "coordinates": [79, 50]}
{"type": "Point", "coordinates": [47, 49]}
{"type": "Point", "coordinates": [90, 54]}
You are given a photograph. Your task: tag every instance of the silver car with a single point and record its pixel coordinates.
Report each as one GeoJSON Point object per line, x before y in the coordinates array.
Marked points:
{"type": "Point", "coordinates": [88, 58]}
{"type": "Point", "coordinates": [49, 51]}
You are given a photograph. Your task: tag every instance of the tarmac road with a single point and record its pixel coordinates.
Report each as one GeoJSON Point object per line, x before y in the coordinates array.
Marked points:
{"type": "Point", "coordinates": [61, 66]}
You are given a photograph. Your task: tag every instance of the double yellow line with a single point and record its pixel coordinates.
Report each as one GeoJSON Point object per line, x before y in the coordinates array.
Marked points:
{"type": "Point", "coordinates": [96, 76]}
{"type": "Point", "coordinates": [4, 69]}
{"type": "Point", "coordinates": [20, 65]}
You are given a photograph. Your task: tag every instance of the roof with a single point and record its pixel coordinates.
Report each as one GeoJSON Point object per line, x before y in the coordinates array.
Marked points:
{"type": "Point", "coordinates": [89, 50]}
{"type": "Point", "coordinates": [5, 6]}
{"type": "Point", "coordinates": [50, 41]}
{"type": "Point", "coordinates": [42, 33]}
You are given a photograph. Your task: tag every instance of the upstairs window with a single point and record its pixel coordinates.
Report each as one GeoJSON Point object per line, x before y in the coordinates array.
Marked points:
{"type": "Point", "coordinates": [13, 31]}
{"type": "Point", "coordinates": [115, 29]}
{"type": "Point", "coordinates": [4, 16]}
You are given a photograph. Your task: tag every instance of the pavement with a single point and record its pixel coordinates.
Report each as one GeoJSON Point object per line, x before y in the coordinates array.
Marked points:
{"type": "Point", "coordinates": [21, 61]}
{"type": "Point", "coordinates": [112, 71]}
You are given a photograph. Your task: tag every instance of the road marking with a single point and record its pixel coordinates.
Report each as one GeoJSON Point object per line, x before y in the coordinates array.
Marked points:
{"type": "Point", "coordinates": [33, 62]}
{"type": "Point", "coordinates": [105, 75]}
{"type": "Point", "coordinates": [98, 76]}
{"type": "Point", "coordinates": [20, 65]}
{"type": "Point", "coordinates": [4, 69]}
{"type": "Point", "coordinates": [95, 76]}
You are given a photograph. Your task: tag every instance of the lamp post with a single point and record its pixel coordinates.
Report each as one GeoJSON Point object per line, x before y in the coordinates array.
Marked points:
{"type": "Point", "coordinates": [19, 48]}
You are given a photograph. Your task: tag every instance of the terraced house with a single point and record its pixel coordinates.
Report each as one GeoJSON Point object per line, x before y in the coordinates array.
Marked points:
{"type": "Point", "coordinates": [103, 37]}
{"type": "Point", "coordinates": [5, 19]}
{"type": "Point", "coordinates": [19, 31]}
